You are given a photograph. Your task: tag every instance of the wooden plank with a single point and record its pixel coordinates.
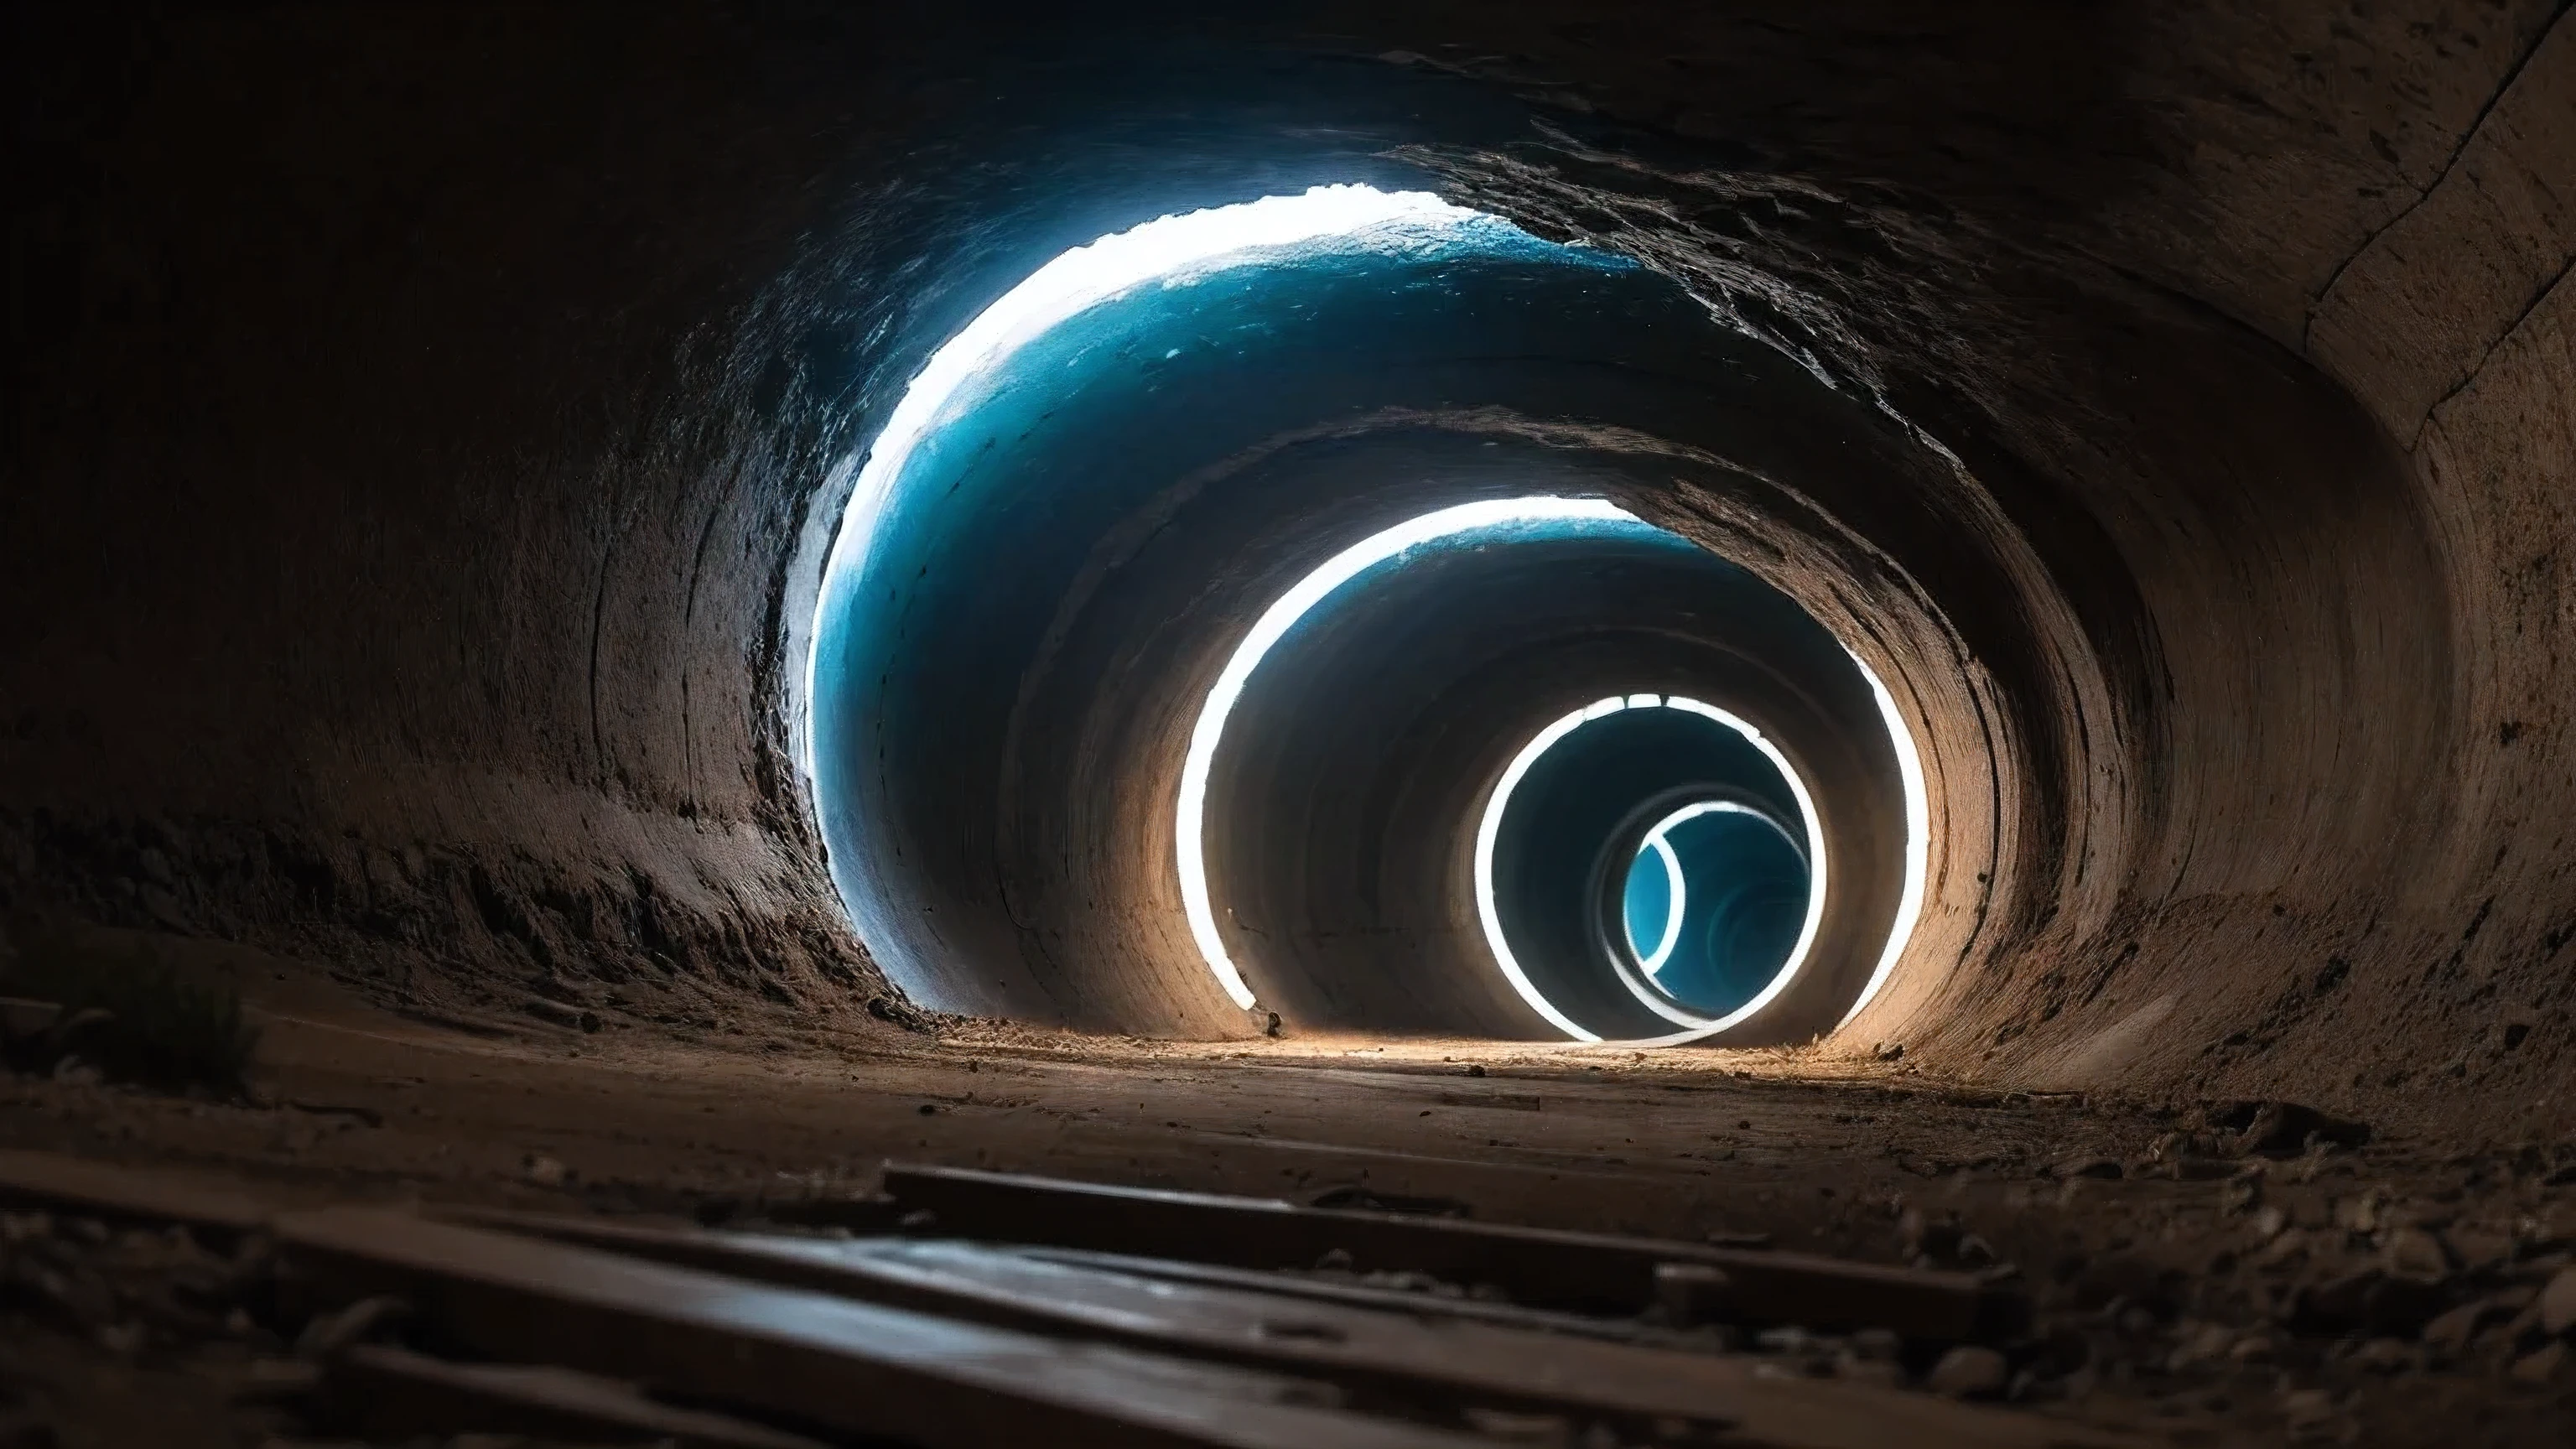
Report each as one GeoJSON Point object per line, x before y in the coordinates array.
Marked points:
{"type": "Point", "coordinates": [1387, 1358]}
{"type": "Point", "coordinates": [57, 1183]}
{"type": "Point", "coordinates": [1535, 1267]}
{"type": "Point", "coordinates": [1348, 1293]}
{"type": "Point", "coordinates": [395, 1394]}
{"type": "Point", "coordinates": [1425, 1359]}
{"type": "Point", "coordinates": [1351, 1294]}
{"type": "Point", "coordinates": [808, 1358]}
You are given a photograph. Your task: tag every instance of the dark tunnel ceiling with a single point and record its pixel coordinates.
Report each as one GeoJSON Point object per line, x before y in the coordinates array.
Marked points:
{"type": "Point", "coordinates": [429, 429]}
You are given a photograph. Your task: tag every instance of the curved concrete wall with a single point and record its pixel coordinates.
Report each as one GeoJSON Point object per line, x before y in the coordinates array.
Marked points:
{"type": "Point", "coordinates": [428, 429]}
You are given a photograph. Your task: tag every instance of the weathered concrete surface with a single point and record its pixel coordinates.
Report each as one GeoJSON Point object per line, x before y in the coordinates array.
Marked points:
{"type": "Point", "coordinates": [425, 433]}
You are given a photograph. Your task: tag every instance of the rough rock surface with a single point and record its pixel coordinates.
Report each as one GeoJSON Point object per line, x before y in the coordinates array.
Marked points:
{"type": "Point", "coordinates": [426, 430]}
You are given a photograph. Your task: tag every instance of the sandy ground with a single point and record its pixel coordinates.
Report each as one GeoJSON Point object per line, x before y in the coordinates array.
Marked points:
{"type": "Point", "coordinates": [2193, 1300]}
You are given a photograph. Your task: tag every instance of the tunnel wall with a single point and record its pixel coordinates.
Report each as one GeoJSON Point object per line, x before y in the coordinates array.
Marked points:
{"type": "Point", "coordinates": [1001, 716]}
{"type": "Point", "coordinates": [2350, 187]}
{"type": "Point", "coordinates": [393, 534]}
{"type": "Point", "coordinates": [426, 427]}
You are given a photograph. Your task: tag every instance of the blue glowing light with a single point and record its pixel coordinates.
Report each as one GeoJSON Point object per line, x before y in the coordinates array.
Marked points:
{"type": "Point", "coordinates": [1693, 1024]}
{"type": "Point", "coordinates": [1655, 893]}
{"type": "Point", "coordinates": [1172, 252]}
{"type": "Point", "coordinates": [1721, 941]}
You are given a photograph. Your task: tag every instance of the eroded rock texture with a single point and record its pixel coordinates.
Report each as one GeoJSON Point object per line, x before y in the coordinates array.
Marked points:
{"type": "Point", "coordinates": [430, 427]}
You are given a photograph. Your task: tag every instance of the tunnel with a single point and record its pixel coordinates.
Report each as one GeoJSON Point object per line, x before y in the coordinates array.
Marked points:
{"type": "Point", "coordinates": [2053, 520]}
{"type": "Point", "coordinates": [997, 753]}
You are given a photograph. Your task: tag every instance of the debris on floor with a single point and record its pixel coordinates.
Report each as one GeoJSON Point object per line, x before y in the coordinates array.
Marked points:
{"type": "Point", "coordinates": [1858, 1262]}
{"type": "Point", "coordinates": [1010, 1309]}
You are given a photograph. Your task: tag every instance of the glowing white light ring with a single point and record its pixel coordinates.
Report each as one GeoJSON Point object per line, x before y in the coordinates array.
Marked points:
{"type": "Point", "coordinates": [1708, 807]}
{"type": "Point", "coordinates": [1918, 840]}
{"type": "Point", "coordinates": [1618, 965]}
{"type": "Point", "coordinates": [1695, 1026]}
{"type": "Point", "coordinates": [1486, 831]}
{"type": "Point", "coordinates": [1176, 248]}
{"type": "Point", "coordinates": [1189, 815]}
{"type": "Point", "coordinates": [1678, 889]}
{"type": "Point", "coordinates": [1171, 249]}
{"type": "Point", "coordinates": [1815, 874]}
{"type": "Point", "coordinates": [1677, 904]}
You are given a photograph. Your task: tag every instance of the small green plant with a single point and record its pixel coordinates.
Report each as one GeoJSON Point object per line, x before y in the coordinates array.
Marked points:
{"type": "Point", "coordinates": [134, 1016]}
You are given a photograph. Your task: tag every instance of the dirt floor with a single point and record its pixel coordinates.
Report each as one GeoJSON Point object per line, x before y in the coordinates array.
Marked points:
{"type": "Point", "coordinates": [2198, 1283]}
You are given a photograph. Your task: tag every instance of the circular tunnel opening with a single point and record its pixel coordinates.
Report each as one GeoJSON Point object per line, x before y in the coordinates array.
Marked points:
{"type": "Point", "coordinates": [1714, 949]}
{"type": "Point", "coordinates": [1286, 522]}
{"type": "Point", "coordinates": [1650, 865]}
{"type": "Point", "coordinates": [1469, 525]}
{"type": "Point", "coordinates": [435, 425]}
{"type": "Point", "coordinates": [2184, 465]}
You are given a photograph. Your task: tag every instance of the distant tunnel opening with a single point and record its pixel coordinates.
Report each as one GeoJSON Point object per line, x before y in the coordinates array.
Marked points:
{"type": "Point", "coordinates": [439, 432]}
{"type": "Point", "coordinates": [1653, 866]}
{"type": "Point", "coordinates": [1147, 461]}
{"type": "Point", "coordinates": [1715, 949]}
